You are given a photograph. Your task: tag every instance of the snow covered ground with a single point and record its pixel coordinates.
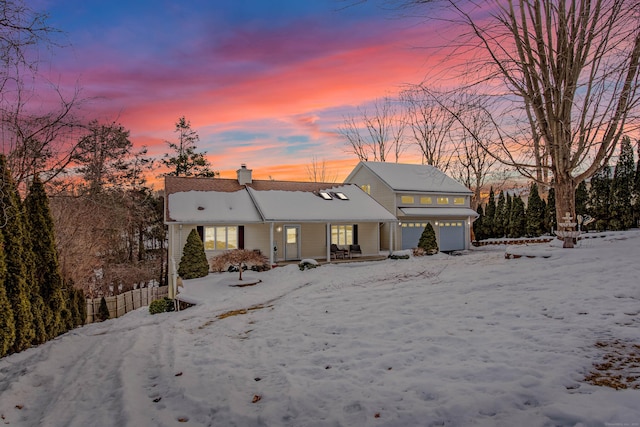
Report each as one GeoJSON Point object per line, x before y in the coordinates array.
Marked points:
{"type": "Point", "coordinates": [468, 340]}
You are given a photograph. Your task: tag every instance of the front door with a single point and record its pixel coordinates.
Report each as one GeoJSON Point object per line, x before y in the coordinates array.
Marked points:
{"type": "Point", "coordinates": [292, 242]}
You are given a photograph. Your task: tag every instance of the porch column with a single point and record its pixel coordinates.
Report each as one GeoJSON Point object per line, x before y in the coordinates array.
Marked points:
{"type": "Point", "coordinates": [328, 242]}
{"type": "Point", "coordinates": [271, 255]}
{"type": "Point", "coordinates": [392, 226]}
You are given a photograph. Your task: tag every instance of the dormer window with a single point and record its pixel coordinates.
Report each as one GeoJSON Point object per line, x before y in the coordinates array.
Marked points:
{"type": "Point", "coordinates": [325, 195]}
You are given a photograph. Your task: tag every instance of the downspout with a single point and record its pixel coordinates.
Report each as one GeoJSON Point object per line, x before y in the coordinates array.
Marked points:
{"type": "Point", "coordinates": [271, 254]}
{"type": "Point", "coordinates": [328, 242]}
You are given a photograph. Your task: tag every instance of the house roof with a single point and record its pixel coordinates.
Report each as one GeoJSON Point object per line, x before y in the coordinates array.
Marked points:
{"type": "Point", "coordinates": [209, 200]}
{"type": "Point", "coordinates": [409, 177]}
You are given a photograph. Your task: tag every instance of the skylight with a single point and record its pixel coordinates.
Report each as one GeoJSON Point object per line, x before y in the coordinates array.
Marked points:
{"type": "Point", "coordinates": [342, 196]}
{"type": "Point", "coordinates": [325, 195]}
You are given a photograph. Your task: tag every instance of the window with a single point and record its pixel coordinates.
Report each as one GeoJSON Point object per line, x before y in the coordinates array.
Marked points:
{"type": "Point", "coordinates": [325, 195]}
{"type": "Point", "coordinates": [443, 200]}
{"type": "Point", "coordinates": [366, 188]}
{"type": "Point", "coordinates": [342, 234]}
{"type": "Point", "coordinates": [341, 196]}
{"type": "Point", "coordinates": [426, 200]}
{"type": "Point", "coordinates": [458, 200]}
{"type": "Point", "coordinates": [220, 238]}
{"type": "Point", "coordinates": [407, 200]}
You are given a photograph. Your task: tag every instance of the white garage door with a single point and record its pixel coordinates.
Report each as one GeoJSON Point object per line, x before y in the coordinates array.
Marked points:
{"type": "Point", "coordinates": [451, 236]}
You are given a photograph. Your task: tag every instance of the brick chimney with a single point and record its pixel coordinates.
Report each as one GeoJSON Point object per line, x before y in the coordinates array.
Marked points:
{"type": "Point", "coordinates": [244, 175]}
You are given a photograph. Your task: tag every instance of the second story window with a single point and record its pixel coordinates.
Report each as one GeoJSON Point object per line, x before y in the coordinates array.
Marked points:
{"type": "Point", "coordinates": [407, 200]}
{"type": "Point", "coordinates": [458, 200]}
{"type": "Point", "coordinates": [426, 200]}
{"type": "Point", "coordinates": [443, 200]}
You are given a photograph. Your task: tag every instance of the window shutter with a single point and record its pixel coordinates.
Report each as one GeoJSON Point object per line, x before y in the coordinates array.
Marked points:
{"type": "Point", "coordinates": [355, 234]}
{"type": "Point", "coordinates": [241, 237]}
{"type": "Point", "coordinates": [200, 230]}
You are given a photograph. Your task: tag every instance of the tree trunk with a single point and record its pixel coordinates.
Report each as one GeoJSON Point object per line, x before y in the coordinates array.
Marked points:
{"type": "Point", "coordinates": [565, 189]}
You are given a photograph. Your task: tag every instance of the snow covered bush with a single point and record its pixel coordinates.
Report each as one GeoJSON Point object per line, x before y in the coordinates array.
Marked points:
{"type": "Point", "coordinates": [307, 264]}
{"type": "Point", "coordinates": [239, 260]}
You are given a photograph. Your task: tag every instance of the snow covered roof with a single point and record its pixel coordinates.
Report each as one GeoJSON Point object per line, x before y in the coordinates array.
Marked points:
{"type": "Point", "coordinates": [408, 177]}
{"type": "Point", "coordinates": [279, 205]}
{"type": "Point", "coordinates": [440, 212]}
{"type": "Point", "coordinates": [208, 200]}
{"type": "Point", "coordinates": [203, 206]}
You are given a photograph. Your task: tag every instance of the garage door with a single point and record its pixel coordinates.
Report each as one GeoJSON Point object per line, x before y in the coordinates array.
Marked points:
{"type": "Point", "coordinates": [451, 236]}
{"type": "Point", "coordinates": [411, 232]}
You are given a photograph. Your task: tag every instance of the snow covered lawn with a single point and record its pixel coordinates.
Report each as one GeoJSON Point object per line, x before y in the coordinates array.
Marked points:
{"type": "Point", "coordinates": [469, 340]}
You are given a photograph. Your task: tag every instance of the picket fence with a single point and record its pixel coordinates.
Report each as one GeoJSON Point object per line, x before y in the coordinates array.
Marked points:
{"type": "Point", "coordinates": [121, 304]}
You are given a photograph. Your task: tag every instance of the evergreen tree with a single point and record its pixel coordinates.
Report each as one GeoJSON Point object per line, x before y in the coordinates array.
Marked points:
{"type": "Point", "coordinates": [535, 213]}
{"type": "Point", "coordinates": [103, 311]}
{"type": "Point", "coordinates": [636, 191]}
{"type": "Point", "coordinates": [7, 326]}
{"type": "Point", "coordinates": [47, 276]}
{"type": "Point", "coordinates": [428, 240]}
{"type": "Point", "coordinates": [508, 209]}
{"type": "Point", "coordinates": [550, 221]}
{"type": "Point", "coordinates": [80, 304]}
{"type": "Point", "coordinates": [490, 215]}
{"type": "Point", "coordinates": [13, 230]}
{"type": "Point", "coordinates": [186, 161]}
{"type": "Point", "coordinates": [622, 187]}
{"type": "Point", "coordinates": [582, 201]}
{"type": "Point", "coordinates": [478, 226]}
{"type": "Point", "coordinates": [500, 222]}
{"type": "Point", "coordinates": [193, 263]}
{"type": "Point", "coordinates": [517, 223]}
{"type": "Point", "coordinates": [600, 198]}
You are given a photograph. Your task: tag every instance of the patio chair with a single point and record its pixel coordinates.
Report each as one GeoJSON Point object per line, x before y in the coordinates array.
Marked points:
{"type": "Point", "coordinates": [355, 249]}
{"type": "Point", "coordinates": [336, 252]}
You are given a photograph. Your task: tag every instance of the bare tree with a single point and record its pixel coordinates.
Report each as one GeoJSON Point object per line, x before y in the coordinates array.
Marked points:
{"type": "Point", "coordinates": [317, 171]}
{"type": "Point", "coordinates": [430, 124]}
{"type": "Point", "coordinates": [35, 140]}
{"type": "Point", "coordinates": [375, 136]}
{"type": "Point", "coordinates": [572, 66]}
{"type": "Point", "coordinates": [473, 165]}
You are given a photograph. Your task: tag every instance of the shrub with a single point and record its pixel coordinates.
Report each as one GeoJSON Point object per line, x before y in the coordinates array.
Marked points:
{"type": "Point", "coordinates": [161, 306]}
{"type": "Point", "coordinates": [237, 260]}
{"type": "Point", "coordinates": [428, 240]}
{"type": "Point", "coordinates": [103, 311]}
{"type": "Point", "coordinates": [399, 256]}
{"type": "Point", "coordinates": [193, 263]}
{"type": "Point", "coordinates": [307, 264]}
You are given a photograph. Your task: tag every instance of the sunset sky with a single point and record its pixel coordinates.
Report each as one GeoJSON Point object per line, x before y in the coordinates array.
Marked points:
{"type": "Point", "coordinates": [266, 83]}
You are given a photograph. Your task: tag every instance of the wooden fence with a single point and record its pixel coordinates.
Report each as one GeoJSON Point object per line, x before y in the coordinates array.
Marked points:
{"type": "Point", "coordinates": [121, 304]}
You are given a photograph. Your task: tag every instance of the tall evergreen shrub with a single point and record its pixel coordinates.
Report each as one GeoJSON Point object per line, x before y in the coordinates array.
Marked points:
{"type": "Point", "coordinates": [7, 326]}
{"type": "Point", "coordinates": [193, 263]}
{"type": "Point", "coordinates": [490, 215]}
{"type": "Point", "coordinates": [535, 213]}
{"type": "Point", "coordinates": [48, 278]}
{"type": "Point", "coordinates": [428, 240]}
{"type": "Point", "coordinates": [622, 188]}
{"type": "Point", "coordinates": [13, 230]}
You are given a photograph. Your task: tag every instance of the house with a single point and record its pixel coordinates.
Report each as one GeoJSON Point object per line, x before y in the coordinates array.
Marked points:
{"type": "Point", "coordinates": [284, 220]}
{"type": "Point", "coordinates": [417, 194]}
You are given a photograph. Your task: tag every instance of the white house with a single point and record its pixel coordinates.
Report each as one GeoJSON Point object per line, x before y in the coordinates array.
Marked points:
{"type": "Point", "coordinates": [417, 194]}
{"type": "Point", "coordinates": [284, 220]}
